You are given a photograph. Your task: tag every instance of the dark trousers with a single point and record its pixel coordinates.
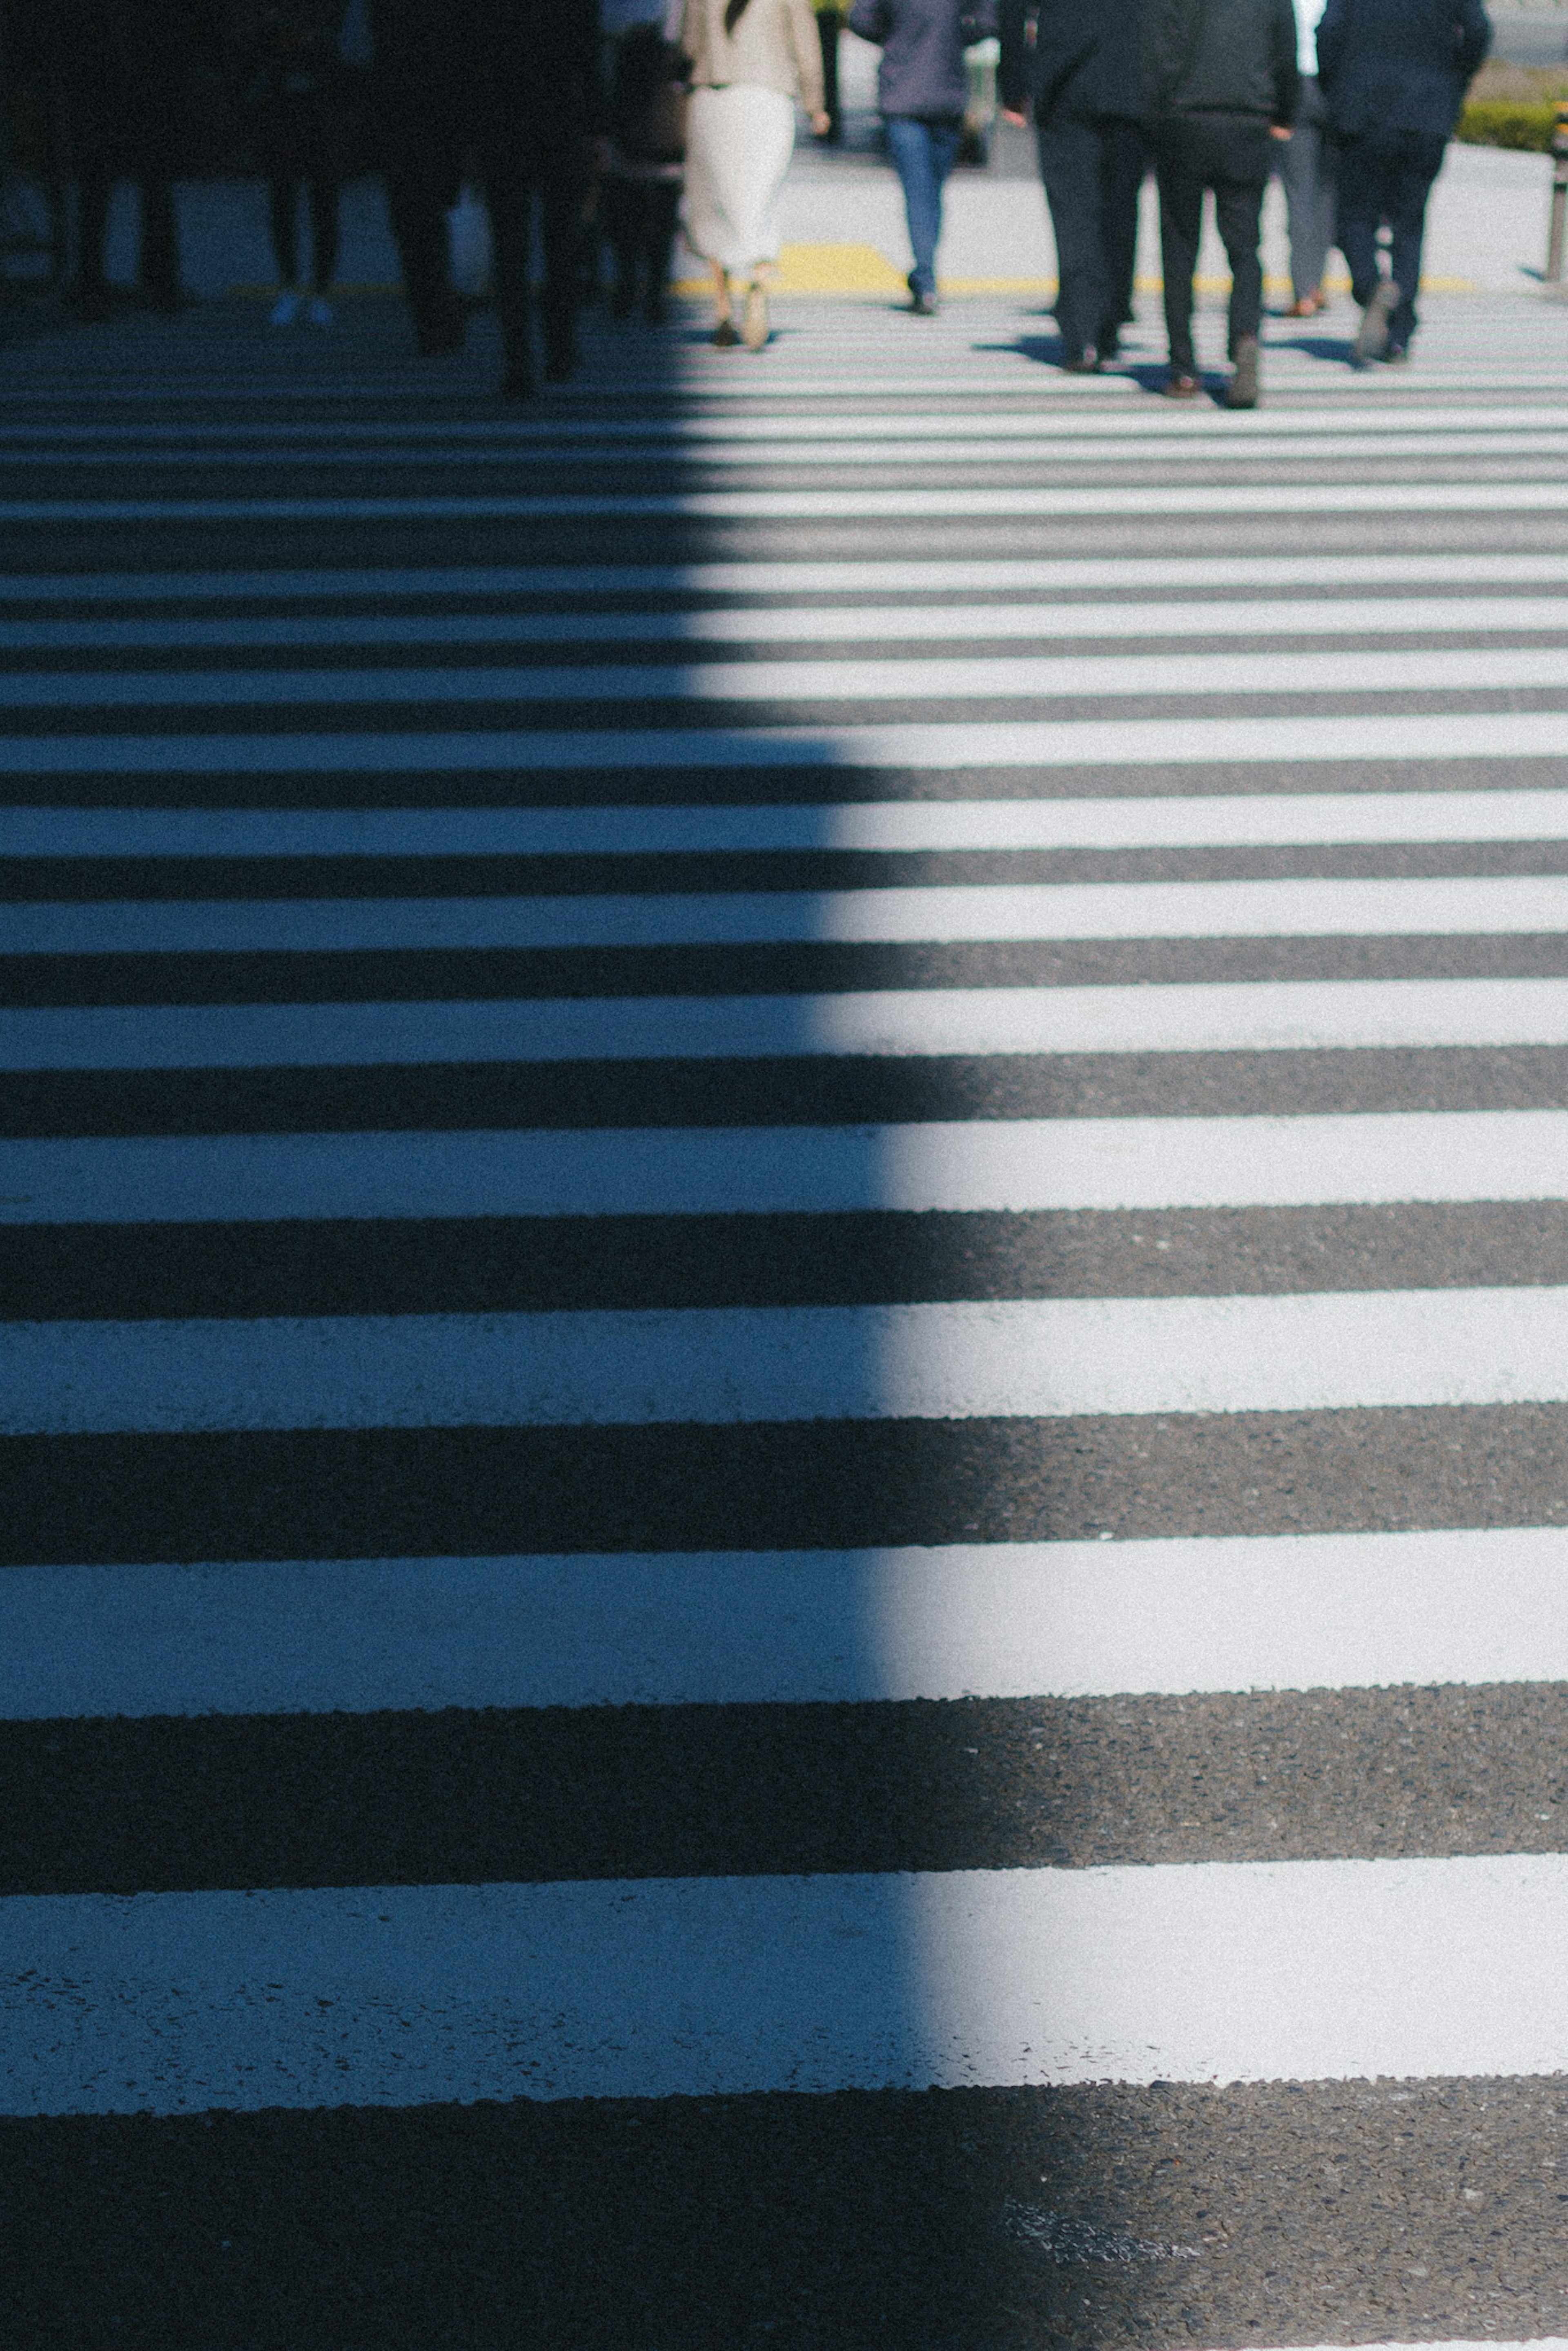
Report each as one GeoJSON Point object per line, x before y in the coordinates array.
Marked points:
{"type": "Point", "coordinates": [1092, 171]}
{"type": "Point", "coordinates": [830, 24]}
{"type": "Point", "coordinates": [1387, 175]}
{"type": "Point", "coordinates": [422, 178]}
{"type": "Point", "coordinates": [158, 274]}
{"type": "Point", "coordinates": [283, 207]}
{"type": "Point", "coordinates": [1232, 155]}
{"type": "Point", "coordinates": [638, 217]}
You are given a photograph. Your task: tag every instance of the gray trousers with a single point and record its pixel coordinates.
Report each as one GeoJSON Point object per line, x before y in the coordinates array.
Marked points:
{"type": "Point", "coordinates": [1307, 175]}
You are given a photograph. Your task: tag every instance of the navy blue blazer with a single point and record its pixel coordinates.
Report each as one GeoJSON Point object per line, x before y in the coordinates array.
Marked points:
{"type": "Point", "coordinates": [1399, 65]}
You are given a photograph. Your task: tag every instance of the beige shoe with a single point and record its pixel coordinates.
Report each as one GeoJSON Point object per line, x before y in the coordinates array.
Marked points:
{"type": "Point", "coordinates": [754, 325]}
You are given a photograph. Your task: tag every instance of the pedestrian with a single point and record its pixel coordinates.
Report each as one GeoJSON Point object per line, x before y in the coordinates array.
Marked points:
{"type": "Point", "coordinates": [750, 59]}
{"type": "Point", "coordinates": [123, 70]}
{"type": "Point", "coordinates": [295, 93]}
{"type": "Point", "coordinates": [517, 85]}
{"type": "Point", "coordinates": [830, 16]}
{"type": "Point", "coordinates": [1219, 83]}
{"type": "Point", "coordinates": [1393, 74]}
{"type": "Point", "coordinates": [1306, 169]}
{"type": "Point", "coordinates": [922, 90]}
{"type": "Point", "coordinates": [642, 191]}
{"type": "Point", "coordinates": [1084, 85]}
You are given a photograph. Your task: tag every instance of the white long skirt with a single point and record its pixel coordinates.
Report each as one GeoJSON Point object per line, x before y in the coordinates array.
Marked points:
{"type": "Point", "coordinates": [739, 140]}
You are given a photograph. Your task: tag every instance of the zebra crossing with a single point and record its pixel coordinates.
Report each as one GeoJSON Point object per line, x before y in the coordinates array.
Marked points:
{"type": "Point", "coordinates": [784, 1180]}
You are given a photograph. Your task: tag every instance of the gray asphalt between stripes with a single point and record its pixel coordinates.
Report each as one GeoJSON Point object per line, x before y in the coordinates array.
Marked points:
{"type": "Point", "coordinates": [1105, 2216]}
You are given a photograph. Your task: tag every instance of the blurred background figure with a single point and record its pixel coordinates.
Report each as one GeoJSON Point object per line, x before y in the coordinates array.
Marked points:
{"type": "Point", "coordinates": [922, 89]}
{"type": "Point", "coordinates": [1393, 74]}
{"type": "Point", "coordinates": [1082, 82]}
{"type": "Point", "coordinates": [639, 201]}
{"type": "Point", "coordinates": [750, 59]}
{"type": "Point", "coordinates": [831, 20]}
{"type": "Point", "coordinates": [293, 96]}
{"type": "Point", "coordinates": [1306, 168]}
{"type": "Point", "coordinates": [515, 88]}
{"type": "Point", "coordinates": [122, 69]}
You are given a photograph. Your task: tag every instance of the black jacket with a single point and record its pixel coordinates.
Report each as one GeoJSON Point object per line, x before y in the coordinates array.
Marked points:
{"type": "Point", "coordinates": [1399, 65]}
{"type": "Point", "coordinates": [1085, 62]}
{"type": "Point", "coordinates": [1219, 57]}
{"type": "Point", "coordinates": [499, 68]}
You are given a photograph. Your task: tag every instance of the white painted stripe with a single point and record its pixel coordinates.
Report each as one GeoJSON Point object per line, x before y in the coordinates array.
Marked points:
{"type": "Point", "coordinates": [155, 439]}
{"type": "Point", "coordinates": [777, 442]}
{"type": "Point", "coordinates": [1194, 820]}
{"type": "Point", "coordinates": [1516, 904]}
{"type": "Point", "coordinates": [1001, 1165]}
{"type": "Point", "coordinates": [1312, 1351]}
{"type": "Point", "coordinates": [1332, 616]}
{"type": "Point", "coordinates": [886, 576]}
{"type": "Point", "coordinates": [402, 1995]}
{"type": "Point", "coordinates": [1003, 1620]}
{"type": "Point", "coordinates": [1395, 494]}
{"type": "Point", "coordinates": [1444, 669]}
{"type": "Point", "coordinates": [1026, 743]}
{"type": "Point", "coordinates": [1270, 1016]}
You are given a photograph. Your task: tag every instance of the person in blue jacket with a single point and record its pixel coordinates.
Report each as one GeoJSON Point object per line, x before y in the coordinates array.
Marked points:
{"type": "Point", "coordinates": [1084, 81]}
{"type": "Point", "coordinates": [921, 91]}
{"type": "Point", "coordinates": [1394, 75]}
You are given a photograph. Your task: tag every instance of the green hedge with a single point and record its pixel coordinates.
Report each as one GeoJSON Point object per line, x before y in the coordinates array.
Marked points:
{"type": "Point", "coordinates": [1508, 122]}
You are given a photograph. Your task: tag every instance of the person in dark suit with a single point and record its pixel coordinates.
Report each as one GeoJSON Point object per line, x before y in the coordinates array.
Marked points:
{"type": "Point", "coordinates": [1083, 87]}
{"type": "Point", "coordinates": [1220, 83]}
{"type": "Point", "coordinates": [1394, 75]}
{"type": "Point", "coordinates": [517, 85]}
{"type": "Point", "coordinates": [122, 69]}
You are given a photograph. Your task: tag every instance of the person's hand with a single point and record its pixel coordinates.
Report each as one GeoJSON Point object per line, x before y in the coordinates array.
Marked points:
{"type": "Point", "coordinates": [1278, 131]}
{"type": "Point", "coordinates": [1019, 120]}
{"type": "Point", "coordinates": [821, 124]}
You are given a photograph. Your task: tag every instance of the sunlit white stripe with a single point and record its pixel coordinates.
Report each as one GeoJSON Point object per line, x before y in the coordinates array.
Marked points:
{"type": "Point", "coordinates": [993, 1164]}
{"type": "Point", "coordinates": [1185, 910]}
{"type": "Point", "coordinates": [1451, 669]}
{"type": "Point", "coordinates": [1350, 616]}
{"type": "Point", "coordinates": [402, 1995]}
{"type": "Point", "coordinates": [1023, 743]}
{"type": "Point", "coordinates": [1225, 1017]}
{"type": "Point", "coordinates": [1312, 1351]}
{"type": "Point", "coordinates": [876, 575]}
{"type": "Point", "coordinates": [1395, 494]}
{"type": "Point", "coordinates": [1196, 821]}
{"type": "Point", "coordinates": [1000, 1619]}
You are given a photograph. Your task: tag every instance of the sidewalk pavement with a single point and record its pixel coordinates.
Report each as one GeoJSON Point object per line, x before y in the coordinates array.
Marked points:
{"type": "Point", "coordinates": [844, 234]}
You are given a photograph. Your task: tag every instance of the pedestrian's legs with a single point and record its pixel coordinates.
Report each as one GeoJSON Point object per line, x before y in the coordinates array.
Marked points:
{"type": "Point", "coordinates": [282, 220]}
{"type": "Point", "coordinates": [95, 193]}
{"type": "Point", "coordinates": [508, 197]}
{"type": "Point", "coordinates": [1181, 219]}
{"type": "Point", "coordinates": [1358, 211]}
{"type": "Point", "coordinates": [1414, 164]}
{"type": "Point", "coordinates": [1123, 160]}
{"type": "Point", "coordinates": [1239, 213]}
{"type": "Point", "coordinates": [663, 200]}
{"type": "Point", "coordinates": [1069, 170]}
{"type": "Point", "coordinates": [923, 154]}
{"type": "Point", "coordinates": [160, 275]}
{"type": "Point", "coordinates": [1306, 172]}
{"type": "Point", "coordinates": [830, 24]}
{"type": "Point", "coordinates": [324, 212]}
{"type": "Point", "coordinates": [561, 201]}
{"type": "Point", "coordinates": [421, 186]}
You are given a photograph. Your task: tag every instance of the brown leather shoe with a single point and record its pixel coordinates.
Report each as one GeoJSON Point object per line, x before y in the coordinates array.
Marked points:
{"type": "Point", "coordinates": [1179, 385]}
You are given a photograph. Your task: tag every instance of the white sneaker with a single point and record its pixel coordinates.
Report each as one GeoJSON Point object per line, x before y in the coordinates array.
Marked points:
{"type": "Point", "coordinates": [320, 311]}
{"type": "Point", "coordinates": [286, 309]}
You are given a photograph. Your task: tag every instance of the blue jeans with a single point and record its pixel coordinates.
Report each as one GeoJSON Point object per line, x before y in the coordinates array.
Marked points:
{"type": "Point", "coordinates": [922, 155]}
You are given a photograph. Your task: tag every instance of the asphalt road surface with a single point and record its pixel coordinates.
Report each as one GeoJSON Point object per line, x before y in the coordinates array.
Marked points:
{"type": "Point", "coordinates": [785, 1193]}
